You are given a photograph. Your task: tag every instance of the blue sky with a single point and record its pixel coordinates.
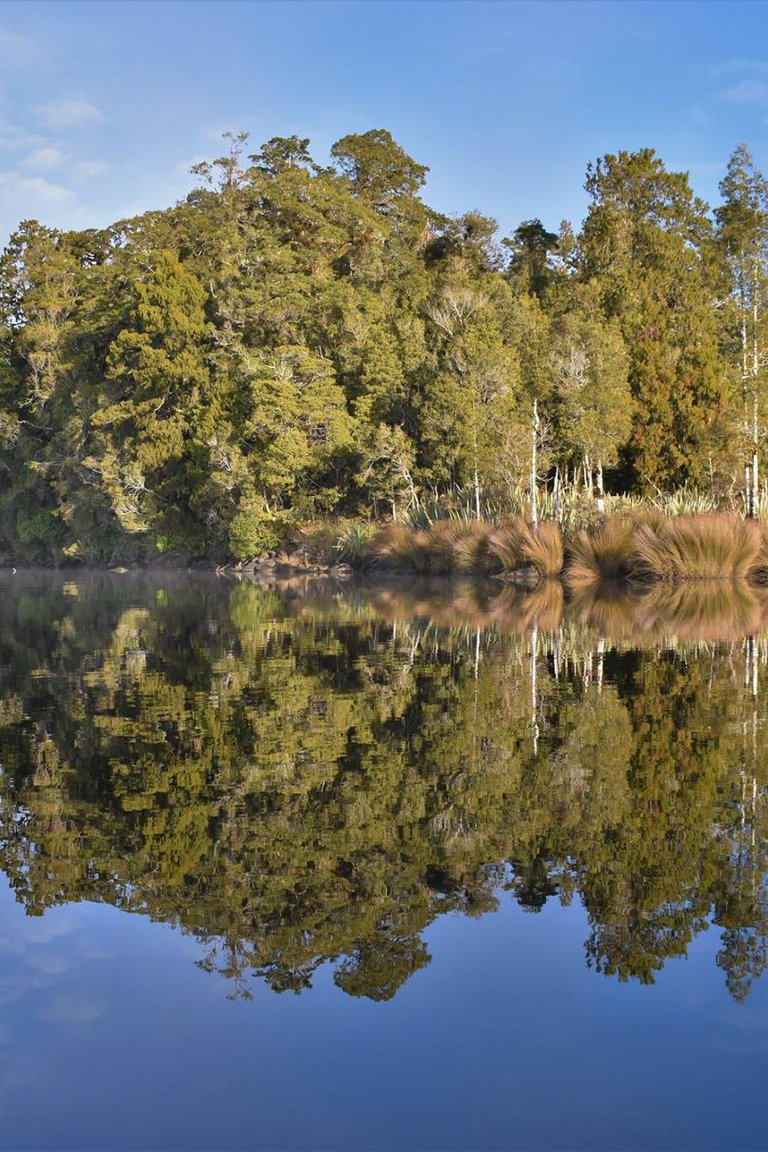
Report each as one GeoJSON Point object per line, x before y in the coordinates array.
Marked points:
{"type": "Point", "coordinates": [104, 105]}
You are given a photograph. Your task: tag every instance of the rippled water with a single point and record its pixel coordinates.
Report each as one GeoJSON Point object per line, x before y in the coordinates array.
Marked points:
{"type": "Point", "coordinates": [511, 853]}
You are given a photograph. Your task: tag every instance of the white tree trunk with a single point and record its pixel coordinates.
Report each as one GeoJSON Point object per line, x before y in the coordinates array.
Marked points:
{"type": "Point", "coordinates": [534, 465]}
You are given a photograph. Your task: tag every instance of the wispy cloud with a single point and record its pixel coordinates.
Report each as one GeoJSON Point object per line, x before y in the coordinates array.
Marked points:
{"type": "Point", "coordinates": [43, 158]}
{"type": "Point", "coordinates": [14, 137]}
{"type": "Point", "coordinates": [699, 117]}
{"type": "Point", "coordinates": [33, 192]}
{"type": "Point", "coordinates": [87, 169]}
{"type": "Point", "coordinates": [17, 51]}
{"type": "Point", "coordinates": [73, 1009]}
{"type": "Point", "coordinates": [68, 113]}
{"type": "Point", "coordinates": [739, 64]}
{"type": "Point", "coordinates": [754, 92]}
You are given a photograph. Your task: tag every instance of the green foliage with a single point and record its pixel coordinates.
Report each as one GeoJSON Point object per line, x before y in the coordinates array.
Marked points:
{"type": "Point", "coordinates": [316, 341]}
{"type": "Point", "coordinates": [252, 532]}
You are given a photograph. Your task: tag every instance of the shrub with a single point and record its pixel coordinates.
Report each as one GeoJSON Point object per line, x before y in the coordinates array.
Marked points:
{"type": "Point", "coordinates": [253, 532]}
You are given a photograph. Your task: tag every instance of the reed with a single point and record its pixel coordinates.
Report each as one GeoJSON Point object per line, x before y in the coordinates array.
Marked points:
{"type": "Point", "coordinates": [709, 546]}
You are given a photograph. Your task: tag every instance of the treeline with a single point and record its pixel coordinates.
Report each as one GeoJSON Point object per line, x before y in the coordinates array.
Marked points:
{"type": "Point", "coordinates": [294, 340]}
{"type": "Point", "coordinates": [319, 784]}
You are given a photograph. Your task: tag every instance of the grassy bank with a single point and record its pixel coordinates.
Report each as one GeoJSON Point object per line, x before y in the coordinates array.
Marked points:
{"type": "Point", "coordinates": [641, 546]}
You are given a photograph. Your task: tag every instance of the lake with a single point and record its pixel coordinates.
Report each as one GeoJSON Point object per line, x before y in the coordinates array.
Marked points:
{"type": "Point", "coordinates": [396, 866]}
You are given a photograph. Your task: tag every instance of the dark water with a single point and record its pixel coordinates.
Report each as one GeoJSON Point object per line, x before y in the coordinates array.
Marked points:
{"type": "Point", "coordinates": [512, 856]}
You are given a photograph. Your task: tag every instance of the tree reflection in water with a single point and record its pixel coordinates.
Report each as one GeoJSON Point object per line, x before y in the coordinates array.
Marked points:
{"type": "Point", "coordinates": [302, 774]}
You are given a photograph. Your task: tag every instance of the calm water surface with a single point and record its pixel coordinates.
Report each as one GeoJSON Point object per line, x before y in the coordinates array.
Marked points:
{"type": "Point", "coordinates": [304, 867]}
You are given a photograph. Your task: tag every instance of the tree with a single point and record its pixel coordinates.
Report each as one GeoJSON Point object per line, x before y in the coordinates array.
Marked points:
{"type": "Point", "coordinates": [148, 429]}
{"type": "Point", "coordinates": [377, 167]}
{"type": "Point", "coordinates": [646, 246]}
{"type": "Point", "coordinates": [529, 266]}
{"type": "Point", "coordinates": [592, 403]}
{"type": "Point", "coordinates": [742, 234]}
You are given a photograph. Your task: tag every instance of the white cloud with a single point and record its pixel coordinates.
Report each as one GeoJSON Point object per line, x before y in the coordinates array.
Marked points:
{"type": "Point", "coordinates": [14, 137]}
{"type": "Point", "coordinates": [17, 50]}
{"type": "Point", "coordinates": [86, 169]}
{"type": "Point", "coordinates": [43, 158]}
{"type": "Point", "coordinates": [748, 92]}
{"type": "Point", "coordinates": [68, 113]}
{"type": "Point", "coordinates": [32, 192]}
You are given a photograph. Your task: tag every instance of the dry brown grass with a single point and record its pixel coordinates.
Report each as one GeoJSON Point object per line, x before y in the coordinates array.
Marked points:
{"type": "Point", "coordinates": [518, 544]}
{"type": "Point", "coordinates": [606, 552]}
{"type": "Point", "coordinates": [711, 546]}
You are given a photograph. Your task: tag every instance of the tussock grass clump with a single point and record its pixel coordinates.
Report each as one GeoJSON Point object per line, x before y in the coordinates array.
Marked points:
{"type": "Point", "coordinates": [518, 544]}
{"type": "Point", "coordinates": [605, 553]}
{"type": "Point", "coordinates": [393, 546]}
{"type": "Point", "coordinates": [710, 546]}
{"type": "Point", "coordinates": [446, 546]}
{"type": "Point", "coordinates": [472, 552]}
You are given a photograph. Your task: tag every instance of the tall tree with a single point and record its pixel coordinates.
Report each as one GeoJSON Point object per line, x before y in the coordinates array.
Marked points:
{"type": "Point", "coordinates": [646, 244]}
{"type": "Point", "coordinates": [742, 221]}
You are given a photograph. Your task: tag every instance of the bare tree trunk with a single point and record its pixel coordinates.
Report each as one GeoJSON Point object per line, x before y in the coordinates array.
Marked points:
{"type": "Point", "coordinates": [534, 466]}
{"type": "Point", "coordinates": [755, 370]}
{"type": "Point", "coordinates": [755, 479]}
{"type": "Point", "coordinates": [557, 503]}
{"type": "Point", "coordinates": [600, 488]}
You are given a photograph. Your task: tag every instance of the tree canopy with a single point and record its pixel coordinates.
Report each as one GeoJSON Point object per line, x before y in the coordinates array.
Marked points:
{"type": "Point", "coordinates": [295, 339]}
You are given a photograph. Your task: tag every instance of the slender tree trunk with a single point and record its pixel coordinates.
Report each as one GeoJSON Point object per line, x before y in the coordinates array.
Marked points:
{"type": "Point", "coordinates": [755, 478]}
{"type": "Point", "coordinates": [474, 451]}
{"type": "Point", "coordinates": [755, 370]}
{"type": "Point", "coordinates": [534, 466]}
{"type": "Point", "coordinates": [600, 488]}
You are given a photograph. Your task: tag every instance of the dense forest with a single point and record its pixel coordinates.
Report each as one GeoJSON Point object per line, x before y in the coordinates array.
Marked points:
{"type": "Point", "coordinates": [295, 341]}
